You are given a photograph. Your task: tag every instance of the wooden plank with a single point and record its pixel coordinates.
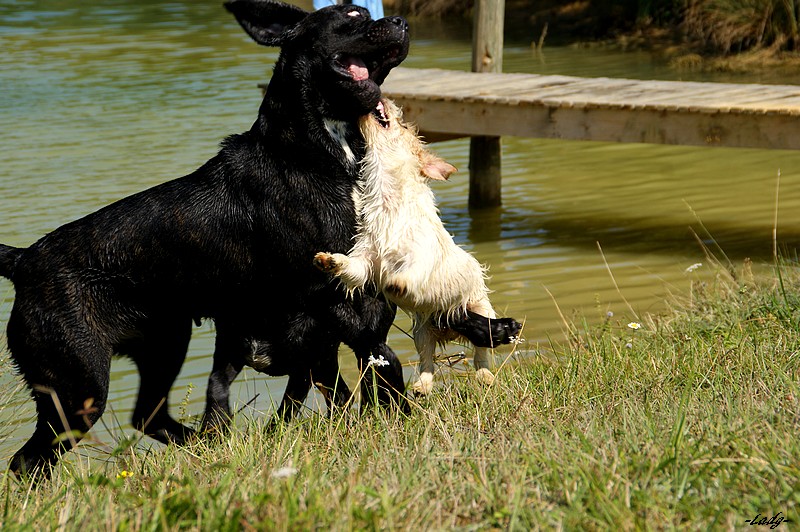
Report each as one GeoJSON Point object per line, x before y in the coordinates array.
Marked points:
{"type": "Point", "coordinates": [491, 87]}
{"type": "Point", "coordinates": [442, 120]}
{"type": "Point", "coordinates": [691, 113]}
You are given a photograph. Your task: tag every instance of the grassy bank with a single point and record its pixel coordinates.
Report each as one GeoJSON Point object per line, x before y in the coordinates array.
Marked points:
{"type": "Point", "coordinates": [685, 420]}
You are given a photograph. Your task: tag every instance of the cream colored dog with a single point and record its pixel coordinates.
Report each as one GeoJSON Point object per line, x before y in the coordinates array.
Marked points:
{"type": "Point", "coordinates": [403, 248]}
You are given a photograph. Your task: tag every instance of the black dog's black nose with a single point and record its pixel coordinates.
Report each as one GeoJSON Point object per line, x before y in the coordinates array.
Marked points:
{"type": "Point", "coordinates": [400, 21]}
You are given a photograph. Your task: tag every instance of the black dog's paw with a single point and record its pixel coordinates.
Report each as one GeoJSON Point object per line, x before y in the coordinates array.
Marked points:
{"type": "Point", "coordinates": [33, 468]}
{"type": "Point", "coordinates": [170, 431]}
{"type": "Point", "coordinates": [486, 332]}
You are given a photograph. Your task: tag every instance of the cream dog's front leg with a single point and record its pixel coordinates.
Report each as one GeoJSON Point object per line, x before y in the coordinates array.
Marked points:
{"type": "Point", "coordinates": [353, 270]}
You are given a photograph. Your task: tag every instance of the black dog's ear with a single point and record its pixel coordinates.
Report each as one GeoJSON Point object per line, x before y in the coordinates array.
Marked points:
{"type": "Point", "coordinates": [265, 21]}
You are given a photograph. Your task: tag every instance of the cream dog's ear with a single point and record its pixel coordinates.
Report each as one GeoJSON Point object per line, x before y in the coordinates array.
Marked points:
{"type": "Point", "coordinates": [436, 168]}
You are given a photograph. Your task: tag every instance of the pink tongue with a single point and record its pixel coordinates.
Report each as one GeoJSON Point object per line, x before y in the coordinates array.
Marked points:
{"type": "Point", "coordinates": [357, 68]}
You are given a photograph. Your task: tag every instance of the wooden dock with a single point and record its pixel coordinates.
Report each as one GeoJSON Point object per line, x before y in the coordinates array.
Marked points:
{"type": "Point", "coordinates": [448, 104]}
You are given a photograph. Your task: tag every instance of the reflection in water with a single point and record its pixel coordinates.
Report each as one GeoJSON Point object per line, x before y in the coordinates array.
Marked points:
{"type": "Point", "coordinates": [485, 225]}
{"type": "Point", "coordinates": [103, 99]}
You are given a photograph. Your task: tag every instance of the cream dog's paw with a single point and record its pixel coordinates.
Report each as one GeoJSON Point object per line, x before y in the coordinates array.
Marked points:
{"type": "Point", "coordinates": [424, 385]}
{"type": "Point", "coordinates": [484, 376]}
{"type": "Point", "coordinates": [326, 262]}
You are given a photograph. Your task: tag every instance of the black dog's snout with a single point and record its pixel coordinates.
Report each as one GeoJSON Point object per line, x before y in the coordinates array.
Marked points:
{"type": "Point", "coordinates": [399, 21]}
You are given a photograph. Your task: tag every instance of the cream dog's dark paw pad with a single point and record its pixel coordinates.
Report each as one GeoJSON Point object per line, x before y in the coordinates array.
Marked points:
{"type": "Point", "coordinates": [325, 262]}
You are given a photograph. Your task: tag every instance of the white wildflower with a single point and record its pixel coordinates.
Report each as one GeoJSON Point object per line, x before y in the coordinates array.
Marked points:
{"type": "Point", "coordinates": [693, 267]}
{"type": "Point", "coordinates": [380, 361]}
{"type": "Point", "coordinates": [284, 472]}
{"type": "Point", "coordinates": [634, 325]}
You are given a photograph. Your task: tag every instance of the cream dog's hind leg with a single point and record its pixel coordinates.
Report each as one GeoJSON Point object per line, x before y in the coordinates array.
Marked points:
{"type": "Point", "coordinates": [425, 342]}
{"type": "Point", "coordinates": [483, 370]}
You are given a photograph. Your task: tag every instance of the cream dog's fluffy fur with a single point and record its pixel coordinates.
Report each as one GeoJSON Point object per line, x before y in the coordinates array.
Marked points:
{"type": "Point", "coordinates": [402, 246]}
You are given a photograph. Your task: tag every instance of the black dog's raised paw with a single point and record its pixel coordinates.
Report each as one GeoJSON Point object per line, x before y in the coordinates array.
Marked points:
{"type": "Point", "coordinates": [486, 332]}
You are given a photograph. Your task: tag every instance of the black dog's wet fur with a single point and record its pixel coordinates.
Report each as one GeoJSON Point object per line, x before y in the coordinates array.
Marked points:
{"type": "Point", "coordinates": [233, 241]}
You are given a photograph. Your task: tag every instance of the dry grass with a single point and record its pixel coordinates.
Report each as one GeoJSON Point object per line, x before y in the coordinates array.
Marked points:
{"type": "Point", "coordinates": [727, 26]}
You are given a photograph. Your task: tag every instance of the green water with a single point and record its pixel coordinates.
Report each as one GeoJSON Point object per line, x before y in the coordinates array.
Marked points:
{"type": "Point", "coordinates": [100, 100]}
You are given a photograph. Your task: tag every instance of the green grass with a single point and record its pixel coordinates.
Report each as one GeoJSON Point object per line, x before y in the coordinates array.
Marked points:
{"type": "Point", "coordinates": [691, 421]}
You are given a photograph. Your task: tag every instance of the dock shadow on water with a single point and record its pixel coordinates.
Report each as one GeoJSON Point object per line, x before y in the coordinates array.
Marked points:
{"type": "Point", "coordinates": [106, 100]}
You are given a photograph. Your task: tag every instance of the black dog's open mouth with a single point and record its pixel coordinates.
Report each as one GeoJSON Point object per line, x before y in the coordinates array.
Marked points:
{"type": "Point", "coordinates": [364, 68]}
{"type": "Point", "coordinates": [352, 66]}
{"type": "Point", "coordinates": [380, 115]}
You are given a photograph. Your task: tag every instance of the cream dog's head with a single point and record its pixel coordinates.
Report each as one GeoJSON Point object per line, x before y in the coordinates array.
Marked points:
{"type": "Point", "coordinates": [398, 146]}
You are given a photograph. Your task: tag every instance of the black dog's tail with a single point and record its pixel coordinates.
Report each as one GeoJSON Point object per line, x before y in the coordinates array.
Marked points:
{"type": "Point", "coordinates": [483, 331]}
{"type": "Point", "coordinates": [8, 260]}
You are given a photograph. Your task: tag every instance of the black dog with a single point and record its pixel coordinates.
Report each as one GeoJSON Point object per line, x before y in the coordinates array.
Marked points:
{"type": "Point", "coordinates": [233, 241]}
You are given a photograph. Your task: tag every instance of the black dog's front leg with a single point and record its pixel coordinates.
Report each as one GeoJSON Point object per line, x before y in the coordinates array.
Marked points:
{"type": "Point", "coordinates": [158, 354]}
{"type": "Point", "coordinates": [326, 377]}
{"type": "Point", "coordinates": [229, 353]}
{"type": "Point", "coordinates": [293, 397]}
{"type": "Point", "coordinates": [382, 378]}
{"type": "Point", "coordinates": [324, 374]}
{"type": "Point", "coordinates": [218, 413]}
{"type": "Point", "coordinates": [364, 326]}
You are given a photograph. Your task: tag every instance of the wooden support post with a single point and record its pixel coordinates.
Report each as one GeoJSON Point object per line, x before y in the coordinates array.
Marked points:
{"type": "Point", "coordinates": [484, 152]}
